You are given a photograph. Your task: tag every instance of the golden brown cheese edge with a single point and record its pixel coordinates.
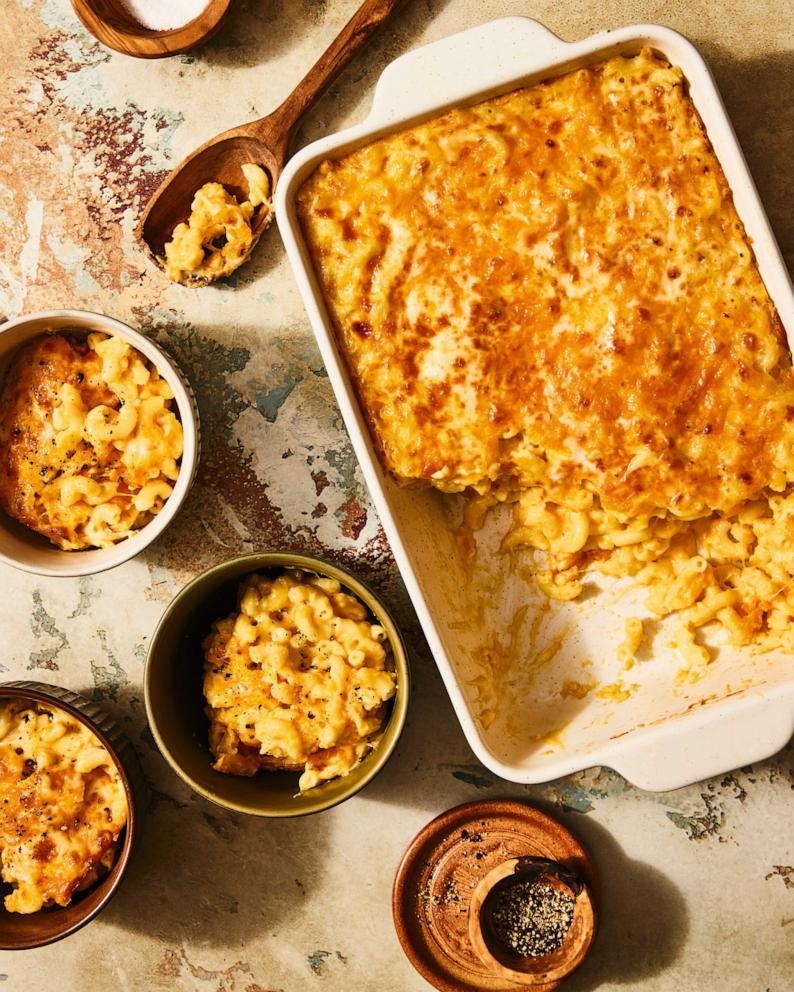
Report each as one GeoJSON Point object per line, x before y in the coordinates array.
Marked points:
{"type": "Point", "coordinates": [554, 287]}
{"type": "Point", "coordinates": [53, 401]}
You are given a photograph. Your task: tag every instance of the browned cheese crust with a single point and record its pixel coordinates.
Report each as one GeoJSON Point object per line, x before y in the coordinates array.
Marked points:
{"type": "Point", "coordinates": [554, 288]}
{"type": "Point", "coordinates": [27, 401]}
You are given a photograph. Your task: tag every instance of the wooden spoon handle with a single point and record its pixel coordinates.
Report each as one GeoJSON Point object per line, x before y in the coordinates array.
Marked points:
{"type": "Point", "coordinates": [277, 129]}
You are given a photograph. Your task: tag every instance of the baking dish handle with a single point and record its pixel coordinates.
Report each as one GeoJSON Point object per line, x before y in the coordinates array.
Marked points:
{"type": "Point", "coordinates": [720, 740]}
{"type": "Point", "coordinates": [440, 73]}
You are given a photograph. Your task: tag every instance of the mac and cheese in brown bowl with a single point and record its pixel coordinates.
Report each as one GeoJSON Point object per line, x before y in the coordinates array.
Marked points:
{"type": "Point", "coordinates": [98, 442]}
{"type": "Point", "coordinates": [276, 684]}
{"type": "Point", "coordinates": [68, 783]}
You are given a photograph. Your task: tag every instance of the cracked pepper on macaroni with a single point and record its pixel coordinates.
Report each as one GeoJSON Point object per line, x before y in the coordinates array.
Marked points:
{"type": "Point", "coordinates": [89, 442]}
{"type": "Point", "coordinates": [549, 299]}
{"type": "Point", "coordinates": [62, 806]}
{"type": "Point", "coordinates": [297, 680]}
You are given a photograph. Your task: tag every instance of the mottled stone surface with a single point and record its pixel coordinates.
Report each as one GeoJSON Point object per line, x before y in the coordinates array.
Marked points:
{"type": "Point", "coordinates": [698, 885]}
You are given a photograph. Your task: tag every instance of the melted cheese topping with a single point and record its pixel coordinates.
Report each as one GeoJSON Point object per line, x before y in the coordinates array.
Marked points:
{"type": "Point", "coordinates": [217, 238]}
{"type": "Point", "coordinates": [62, 806]}
{"type": "Point", "coordinates": [550, 298]}
{"type": "Point", "coordinates": [89, 443]}
{"type": "Point", "coordinates": [297, 679]}
{"type": "Point", "coordinates": [554, 287]}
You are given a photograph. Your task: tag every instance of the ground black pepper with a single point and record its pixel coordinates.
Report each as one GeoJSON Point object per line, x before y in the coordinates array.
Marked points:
{"type": "Point", "coordinates": [531, 919]}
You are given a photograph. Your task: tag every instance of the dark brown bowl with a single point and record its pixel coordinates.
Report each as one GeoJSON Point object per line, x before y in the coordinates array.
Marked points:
{"type": "Point", "coordinates": [20, 931]}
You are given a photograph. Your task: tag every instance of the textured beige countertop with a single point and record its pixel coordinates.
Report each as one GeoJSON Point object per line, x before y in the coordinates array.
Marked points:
{"type": "Point", "coordinates": [698, 884]}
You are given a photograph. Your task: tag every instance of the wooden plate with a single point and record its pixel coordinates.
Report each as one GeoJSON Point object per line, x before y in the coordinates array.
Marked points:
{"type": "Point", "coordinates": [440, 871]}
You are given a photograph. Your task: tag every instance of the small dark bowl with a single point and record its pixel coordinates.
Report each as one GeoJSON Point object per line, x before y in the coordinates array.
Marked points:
{"type": "Point", "coordinates": [175, 700]}
{"type": "Point", "coordinates": [20, 931]}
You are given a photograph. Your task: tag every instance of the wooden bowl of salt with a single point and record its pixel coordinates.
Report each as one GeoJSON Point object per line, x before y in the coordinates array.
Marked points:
{"type": "Point", "coordinates": [152, 29]}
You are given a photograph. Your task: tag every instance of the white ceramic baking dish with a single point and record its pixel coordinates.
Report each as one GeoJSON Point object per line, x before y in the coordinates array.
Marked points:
{"type": "Point", "coordinates": [28, 550]}
{"type": "Point", "coordinates": [505, 654]}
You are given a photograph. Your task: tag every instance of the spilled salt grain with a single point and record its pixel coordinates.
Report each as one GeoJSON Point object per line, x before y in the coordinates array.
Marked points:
{"type": "Point", "coordinates": [164, 15]}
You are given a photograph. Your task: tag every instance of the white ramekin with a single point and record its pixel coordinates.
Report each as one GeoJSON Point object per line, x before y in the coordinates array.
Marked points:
{"type": "Point", "coordinates": [25, 549]}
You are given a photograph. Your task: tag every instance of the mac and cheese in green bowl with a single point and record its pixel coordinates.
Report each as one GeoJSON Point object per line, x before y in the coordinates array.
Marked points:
{"type": "Point", "coordinates": [276, 684]}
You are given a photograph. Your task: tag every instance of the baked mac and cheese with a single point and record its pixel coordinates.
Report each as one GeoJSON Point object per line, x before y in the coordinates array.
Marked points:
{"type": "Point", "coordinates": [62, 806]}
{"type": "Point", "coordinates": [549, 299]}
{"type": "Point", "coordinates": [89, 441]}
{"type": "Point", "coordinates": [217, 237]}
{"type": "Point", "coordinates": [297, 680]}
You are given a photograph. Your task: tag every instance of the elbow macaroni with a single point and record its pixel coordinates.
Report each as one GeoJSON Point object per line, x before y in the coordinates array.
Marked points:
{"type": "Point", "coordinates": [217, 237]}
{"type": "Point", "coordinates": [734, 570]}
{"type": "Point", "coordinates": [634, 636]}
{"type": "Point", "coordinates": [91, 440]}
{"type": "Point", "coordinates": [549, 299]}
{"type": "Point", "coordinates": [298, 679]}
{"type": "Point", "coordinates": [62, 806]}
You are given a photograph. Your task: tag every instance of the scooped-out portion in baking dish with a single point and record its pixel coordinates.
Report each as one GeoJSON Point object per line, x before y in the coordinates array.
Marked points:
{"type": "Point", "coordinates": [548, 299]}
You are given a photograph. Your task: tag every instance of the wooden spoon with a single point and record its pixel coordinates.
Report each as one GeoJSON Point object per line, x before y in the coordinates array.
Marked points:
{"type": "Point", "coordinates": [263, 142]}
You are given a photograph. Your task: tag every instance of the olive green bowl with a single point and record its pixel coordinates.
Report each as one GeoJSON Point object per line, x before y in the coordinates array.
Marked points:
{"type": "Point", "coordinates": [175, 702]}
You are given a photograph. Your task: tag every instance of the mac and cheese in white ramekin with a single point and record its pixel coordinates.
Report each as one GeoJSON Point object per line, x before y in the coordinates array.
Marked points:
{"type": "Point", "coordinates": [90, 441]}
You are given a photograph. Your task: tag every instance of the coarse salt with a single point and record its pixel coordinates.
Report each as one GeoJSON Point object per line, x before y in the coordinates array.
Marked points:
{"type": "Point", "coordinates": [164, 15]}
